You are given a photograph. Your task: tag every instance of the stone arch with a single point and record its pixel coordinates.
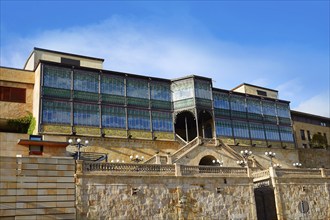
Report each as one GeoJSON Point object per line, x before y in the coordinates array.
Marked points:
{"type": "Point", "coordinates": [207, 160]}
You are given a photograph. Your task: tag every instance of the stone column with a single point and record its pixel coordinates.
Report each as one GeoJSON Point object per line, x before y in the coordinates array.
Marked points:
{"type": "Point", "coordinates": [177, 170]}
{"type": "Point", "coordinates": [157, 159]}
{"type": "Point", "coordinates": [277, 193]}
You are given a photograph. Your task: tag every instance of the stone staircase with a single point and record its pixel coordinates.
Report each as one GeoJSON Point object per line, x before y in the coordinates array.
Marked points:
{"type": "Point", "coordinates": [185, 149]}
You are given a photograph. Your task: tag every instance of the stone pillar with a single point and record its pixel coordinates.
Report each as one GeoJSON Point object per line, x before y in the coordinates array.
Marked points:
{"type": "Point", "coordinates": [277, 193]}
{"type": "Point", "coordinates": [169, 159]}
{"type": "Point", "coordinates": [177, 170]}
{"type": "Point", "coordinates": [157, 159]}
{"type": "Point", "coordinates": [79, 166]}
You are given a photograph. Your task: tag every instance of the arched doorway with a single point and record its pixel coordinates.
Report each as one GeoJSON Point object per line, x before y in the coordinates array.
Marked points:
{"type": "Point", "coordinates": [205, 124]}
{"type": "Point", "coordinates": [265, 202]}
{"type": "Point", "coordinates": [207, 161]}
{"type": "Point", "coordinates": [185, 125]}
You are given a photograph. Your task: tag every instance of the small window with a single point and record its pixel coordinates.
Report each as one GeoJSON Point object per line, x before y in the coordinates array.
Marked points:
{"type": "Point", "coordinates": [263, 93]}
{"type": "Point", "coordinates": [9, 94]}
{"type": "Point", "coordinates": [70, 61]}
{"type": "Point", "coordinates": [302, 135]}
{"type": "Point", "coordinates": [35, 138]}
{"type": "Point", "coordinates": [35, 150]}
{"type": "Point", "coordinates": [309, 135]}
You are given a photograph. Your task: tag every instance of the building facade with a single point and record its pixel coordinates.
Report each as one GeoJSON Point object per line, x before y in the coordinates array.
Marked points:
{"type": "Point", "coordinates": [191, 135]}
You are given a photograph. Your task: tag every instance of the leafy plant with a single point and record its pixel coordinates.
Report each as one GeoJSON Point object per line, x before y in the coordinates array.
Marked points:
{"type": "Point", "coordinates": [319, 141]}
{"type": "Point", "coordinates": [24, 124]}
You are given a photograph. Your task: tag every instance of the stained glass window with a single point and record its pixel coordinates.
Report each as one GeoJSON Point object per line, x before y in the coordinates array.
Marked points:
{"type": "Point", "coordinates": [257, 131]}
{"type": "Point", "coordinates": [223, 128]}
{"type": "Point", "coordinates": [286, 134]}
{"type": "Point", "coordinates": [254, 106]}
{"type": "Point", "coordinates": [221, 100]}
{"type": "Point", "coordinates": [160, 91]}
{"type": "Point", "coordinates": [57, 77]}
{"type": "Point", "coordinates": [86, 81]}
{"type": "Point", "coordinates": [138, 119]}
{"type": "Point", "coordinates": [241, 129]}
{"type": "Point", "coordinates": [86, 114]}
{"type": "Point", "coordinates": [283, 110]}
{"type": "Point", "coordinates": [272, 132]}
{"type": "Point", "coordinates": [112, 85]}
{"type": "Point", "coordinates": [162, 121]}
{"type": "Point", "coordinates": [183, 89]}
{"type": "Point", "coordinates": [137, 88]}
{"type": "Point", "coordinates": [202, 89]}
{"type": "Point", "coordinates": [114, 117]}
{"type": "Point", "coordinates": [237, 103]}
{"type": "Point", "coordinates": [56, 112]}
{"type": "Point", "coordinates": [269, 108]}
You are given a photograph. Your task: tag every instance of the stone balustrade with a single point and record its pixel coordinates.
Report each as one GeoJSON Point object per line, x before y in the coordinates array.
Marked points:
{"type": "Point", "coordinates": [262, 173]}
{"type": "Point", "coordinates": [232, 171]}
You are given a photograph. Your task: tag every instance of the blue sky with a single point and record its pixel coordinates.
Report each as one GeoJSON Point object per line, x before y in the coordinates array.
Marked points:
{"type": "Point", "coordinates": [282, 45]}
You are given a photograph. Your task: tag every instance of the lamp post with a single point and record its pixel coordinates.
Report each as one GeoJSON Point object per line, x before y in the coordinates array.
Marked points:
{"type": "Point", "coordinates": [217, 162]}
{"type": "Point", "coordinates": [271, 155]}
{"type": "Point", "coordinates": [297, 165]}
{"type": "Point", "coordinates": [241, 163]}
{"type": "Point", "coordinates": [245, 154]}
{"type": "Point", "coordinates": [79, 145]}
{"type": "Point", "coordinates": [136, 159]}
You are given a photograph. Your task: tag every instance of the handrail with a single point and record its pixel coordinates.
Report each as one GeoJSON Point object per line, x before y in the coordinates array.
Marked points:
{"type": "Point", "coordinates": [180, 139]}
{"type": "Point", "coordinates": [231, 151]}
{"type": "Point", "coordinates": [298, 171]}
{"type": "Point", "coordinates": [184, 148]}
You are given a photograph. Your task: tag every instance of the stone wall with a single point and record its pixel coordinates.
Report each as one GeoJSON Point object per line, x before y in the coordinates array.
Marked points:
{"type": "Point", "coordinates": [315, 158]}
{"type": "Point", "coordinates": [153, 197]}
{"type": "Point", "coordinates": [314, 191]}
{"type": "Point", "coordinates": [37, 188]}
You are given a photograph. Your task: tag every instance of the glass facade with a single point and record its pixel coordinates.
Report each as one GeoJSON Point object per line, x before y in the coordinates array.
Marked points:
{"type": "Point", "coordinates": [56, 112]}
{"type": "Point", "coordinates": [107, 100]}
{"type": "Point", "coordinates": [56, 77]}
{"type": "Point", "coordinates": [138, 119]}
{"type": "Point", "coordinates": [203, 89]}
{"type": "Point", "coordinates": [162, 121]}
{"type": "Point", "coordinates": [113, 117]}
{"type": "Point", "coordinates": [137, 88]}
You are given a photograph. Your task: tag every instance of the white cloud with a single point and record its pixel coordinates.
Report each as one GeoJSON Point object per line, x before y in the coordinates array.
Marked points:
{"type": "Point", "coordinates": [140, 48]}
{"type": "Point", "coordinates": [319, 105]}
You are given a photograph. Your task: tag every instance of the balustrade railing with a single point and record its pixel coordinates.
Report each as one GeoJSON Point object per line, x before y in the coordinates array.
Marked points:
{"type": "Point", "coordinates": [193, 170]}
{"type": "Point", "coordinates": [298, 172]}
{"type": "Point", "coordinates": [126, 168]}
{"type": "Point", "coordinates": [259, 174]}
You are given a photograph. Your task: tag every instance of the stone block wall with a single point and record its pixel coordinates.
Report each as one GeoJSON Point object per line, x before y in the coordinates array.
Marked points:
{"type": "Point", "coordinates": [37, 188]}
{"type": "Point", "coordinates": [313, 191]}
{"type": "Point", "coordinates": [315, 158]}
{"type": "Point", "coordinates": [168, 197]}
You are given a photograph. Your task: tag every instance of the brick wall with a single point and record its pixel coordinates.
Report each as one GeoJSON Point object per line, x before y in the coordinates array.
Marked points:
{"type": "Point", "coordinates": [37, 188]}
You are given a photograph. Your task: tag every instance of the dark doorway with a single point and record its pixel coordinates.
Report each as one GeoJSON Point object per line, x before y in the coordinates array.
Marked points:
{"type": "Point", "coordinates": [265, 202]}
{"type": "Point", "coordinates": [185, 126]}
{"type": "Point", "coordinates": [207, 161]}
{"type": "Point", "coordinates": [205, 123]}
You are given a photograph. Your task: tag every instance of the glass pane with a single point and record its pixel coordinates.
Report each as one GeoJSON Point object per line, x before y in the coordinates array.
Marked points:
{"type": "Point", "coordinates": [160, 91]}
{"type": "Point", "coordinates": [221, 100]}
{"type": "Point", "coordinates": [223, 128]}
{"type": "Point", "coordinates": [86, 81]}
{"type": "Point", "coordinates": [56, 112]}
{"type": "Point", "coordinates": [114, 117]}
{"type": "Point", "coordinates": [137, 88]}
{"type": "Point", "coordinates": [57, 77]}
{"type": "Point", "coordinates": [112, 85]}
{"type": "Point", "coordinates": [138, 119]}
{"type": "Point", "coordinates": [182, 89]}
{"type": "Point", "coordinates": [162, 121]}
{"type": "Point", "coordinates": [241, 129]}
{"type": "Point", "coordinates": [202, 89]}
{"type": "Point", "coordinates": [86, 114]}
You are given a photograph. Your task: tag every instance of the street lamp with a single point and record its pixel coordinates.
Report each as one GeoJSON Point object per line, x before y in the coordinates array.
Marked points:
{"type": "Point", "coordinates": [245, 154]}
{"type": "Point", "coordinates": [271, 155]}
{"type": "Point", "coordinates": [117, 161]}
{"type": "Point", "coordinates": [297, 164]}
{"type": "Point", "coordinates": [217, 162]}
{"type": "Point", "coordinates": [277, 165]}
{"type": "Point", "coordinates": [136, 159]}
{"type": "Point", "coordinates": [241, 163]}
{"type": "Point", "coordinates": [79, 145]}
